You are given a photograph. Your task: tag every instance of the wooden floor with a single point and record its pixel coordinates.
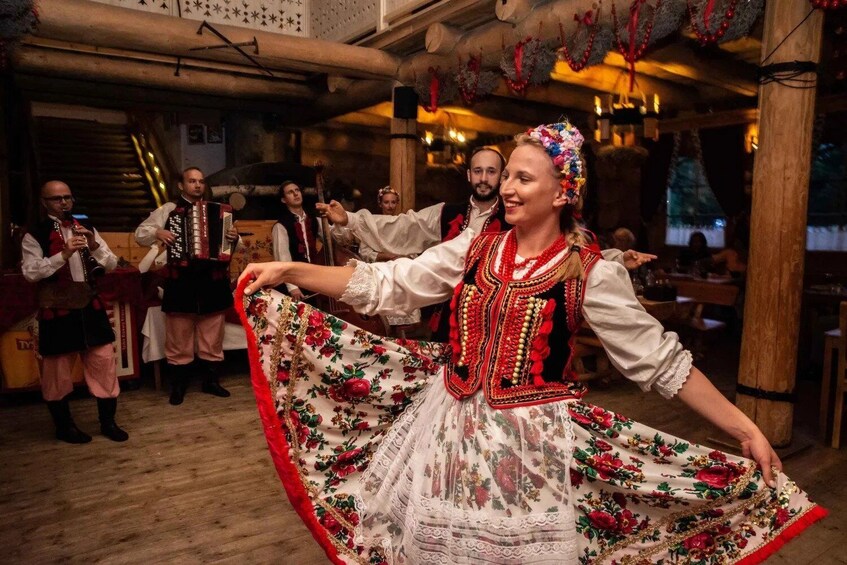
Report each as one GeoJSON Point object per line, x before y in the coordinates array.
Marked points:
{"type": "Point", "coordinates": [195, 483]}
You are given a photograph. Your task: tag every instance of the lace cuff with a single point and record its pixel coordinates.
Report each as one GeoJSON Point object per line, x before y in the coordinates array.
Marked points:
{"type": "Point", "coordinates": [668, 385]}
{"type": "Point", "coordinates": [360, 292]}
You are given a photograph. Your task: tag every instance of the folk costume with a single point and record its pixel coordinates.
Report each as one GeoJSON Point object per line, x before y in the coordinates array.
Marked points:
{"type": "Point", "coordinates": [413, 232]}
{"type": "Point", "coordinates": [483, 450]}
{"type": "Point", "coordinates": [72, 321]}
{"type": "Point", "coordinates": [295, 238]}
{"type": "Point", "coordinates": [195, 299]}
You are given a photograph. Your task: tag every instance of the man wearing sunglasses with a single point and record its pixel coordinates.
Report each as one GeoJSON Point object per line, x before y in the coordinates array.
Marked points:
{"type": "Point", "coordinates": [59, 255]}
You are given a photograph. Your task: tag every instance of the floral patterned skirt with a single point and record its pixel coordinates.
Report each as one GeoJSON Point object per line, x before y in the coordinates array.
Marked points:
{"type": "Point", "coordinates": [384, 466]}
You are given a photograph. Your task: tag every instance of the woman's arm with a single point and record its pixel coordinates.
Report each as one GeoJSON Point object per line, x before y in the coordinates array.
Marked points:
{"type": "Point", "coordinates": [393, 288]}
{"type": "Point", "coordinates": [330, 281]}
{"type": "Point", "coordinates": [640, 348]}
{"type": "Point", "coordinates": [699, 394]}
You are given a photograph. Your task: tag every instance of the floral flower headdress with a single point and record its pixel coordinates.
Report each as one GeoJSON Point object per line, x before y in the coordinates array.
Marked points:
{"type": "Point", "coordinates": [383, 191]}
{"type": "Point", "coordinates": [562, 141]}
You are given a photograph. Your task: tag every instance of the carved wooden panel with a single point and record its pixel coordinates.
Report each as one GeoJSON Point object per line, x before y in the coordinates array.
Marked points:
{"type": "Point", "coordinates": [343, 20]}
{"type": "Point", "coordinates": [290, 17]}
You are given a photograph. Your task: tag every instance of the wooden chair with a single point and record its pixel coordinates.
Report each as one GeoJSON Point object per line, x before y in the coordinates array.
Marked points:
{"type": "Point", "coordinates": [840, 377]}
{"type": "Point", "coordinates": [723, 295]}
{"type": "Point", "coordinates": [831, 342]}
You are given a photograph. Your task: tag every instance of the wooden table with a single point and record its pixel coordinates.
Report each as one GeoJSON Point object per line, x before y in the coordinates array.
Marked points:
{"type": "Point", "coordinates": [665, 309]}
{"type": "Point", "coordinates": [722, 292]}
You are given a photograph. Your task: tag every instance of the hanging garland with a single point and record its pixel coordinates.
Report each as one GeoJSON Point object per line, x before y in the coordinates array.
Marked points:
{"type": "Point", "coordinates": [828, 4]}
{"type": "Point", "coordinates": [646, 25]}
{"type": "Point", "coordinates": [435, 88]}
{"type": "Point", "coordinates": [17, 18]}
{"type": "Point", "coordinates": [716, 21]}
{"type": "Point", "coordinates": [529, 62]}
{"type": "Point", "coordinates": [589, 43]}
{"type": "Point", "coordinates": [474, 83]}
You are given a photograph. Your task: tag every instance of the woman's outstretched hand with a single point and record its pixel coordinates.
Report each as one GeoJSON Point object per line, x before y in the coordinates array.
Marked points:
{"type": "Point", "coordinates": [633, 259]}
{"type": "Point", "coordinates": [759, 450]}
{"type": "Point", "coordinates": [265, 274]}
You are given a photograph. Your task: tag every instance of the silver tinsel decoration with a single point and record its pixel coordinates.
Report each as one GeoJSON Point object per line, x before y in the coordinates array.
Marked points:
{"type": "Point", "coordinates": [537, 60]}
{"type": "Point", "coordinates": [445, 93]}
{"type": "Point", "coordinates": [17, 18]}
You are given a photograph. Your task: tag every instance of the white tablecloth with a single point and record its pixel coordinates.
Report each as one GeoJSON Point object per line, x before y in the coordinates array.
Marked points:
{"type": "Point", "coordinates": [153, 331]}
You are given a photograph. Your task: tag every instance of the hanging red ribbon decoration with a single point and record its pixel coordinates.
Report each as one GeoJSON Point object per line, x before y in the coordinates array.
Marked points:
{"type": "Point", "coordinates": [586, 20]}
{"type": "Point", "coordinates": [434, 85]}
{"type": "Point", "coordinates": [705, 36]}
{"type": "Point", "coordinates": [468, 91]}
{"type": "Point", "coordinates": [519, 60]}
{"type": "Point", "coordinates": [634, 48]}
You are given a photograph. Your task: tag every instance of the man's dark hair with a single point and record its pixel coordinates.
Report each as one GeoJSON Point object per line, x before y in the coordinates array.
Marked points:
{"type": "Point", "coordinates": [482, 148]}
{"type": "Point", "coordinates": [182, 174]}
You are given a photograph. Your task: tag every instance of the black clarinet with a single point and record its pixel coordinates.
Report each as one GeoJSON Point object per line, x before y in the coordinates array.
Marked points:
{"type": "Point", "coordinates": [93, 269]}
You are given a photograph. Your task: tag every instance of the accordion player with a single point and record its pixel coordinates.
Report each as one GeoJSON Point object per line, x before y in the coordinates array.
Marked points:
{"type": "Point", "coordinates": [200, 233]}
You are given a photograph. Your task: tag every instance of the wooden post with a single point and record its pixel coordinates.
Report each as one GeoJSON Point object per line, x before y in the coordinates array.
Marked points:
{"type": "Point", "coordinates": [778, 224]}
{"type": "Point", "coordinates": [404, 142]}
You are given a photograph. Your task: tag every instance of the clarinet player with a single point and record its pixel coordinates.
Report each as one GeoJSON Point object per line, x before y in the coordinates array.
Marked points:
{"type": "Point", "coordinates": [64, 256]}
{"type": "Point", "coordinates": [196, 296]}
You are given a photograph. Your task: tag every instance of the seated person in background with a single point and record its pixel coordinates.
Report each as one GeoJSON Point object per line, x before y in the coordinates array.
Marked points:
{"type": "Point", "coordinates": [623, 239]}
{"type": "Point", "coordinates": [295, 235]}
{"type": "Point", "coordinates": [731, 261]}
{"type": "Point", "coordinates": [698, 250]}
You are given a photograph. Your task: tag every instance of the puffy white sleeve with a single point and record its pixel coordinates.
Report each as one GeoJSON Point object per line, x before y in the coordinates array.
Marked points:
{"type": "Point", "coordinates": [410, 233]}
{"type": "Point", "coordinates": [637, 344]}
{"type": "Point", "coordinates": [35, 265]}
{"type": "Point", "coordinates": [398, 287]}
{"type": "Point", "coordinates": [145, 234]}
{"type": "Point", "coordinates": [103, 254]}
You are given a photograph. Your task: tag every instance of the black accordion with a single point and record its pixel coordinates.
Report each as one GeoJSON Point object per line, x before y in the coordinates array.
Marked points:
{"type": "Point", "coordinates": [200, 234]}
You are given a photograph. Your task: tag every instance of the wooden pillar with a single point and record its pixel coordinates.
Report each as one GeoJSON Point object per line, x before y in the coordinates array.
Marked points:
{"type": "Point", "coordinates": [404, 143]}
{"type": "Point", "coordinates": [778, 224]}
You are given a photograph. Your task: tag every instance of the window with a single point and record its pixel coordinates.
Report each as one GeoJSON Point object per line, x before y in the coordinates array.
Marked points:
{"type": "Point", "coordinates": [827, 225]}
{"type": "Point", "coordinates": [691, 204]}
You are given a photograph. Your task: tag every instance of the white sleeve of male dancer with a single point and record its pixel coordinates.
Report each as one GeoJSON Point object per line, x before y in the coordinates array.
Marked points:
{"type": "Point", "coordinates": [410, 233]}
{"type": "Point", "coordinates": [397, 287]}
{"type": "Point", "coordinates": [637, 344]}
{"type": "Point", "coordinates": [145, 234]}
{"type": "Point", "coordinates": [280, 248]}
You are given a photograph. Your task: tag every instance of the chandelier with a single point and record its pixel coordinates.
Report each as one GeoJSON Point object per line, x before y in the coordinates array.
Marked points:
{"type": "Point", "coordinates": [623, 118]}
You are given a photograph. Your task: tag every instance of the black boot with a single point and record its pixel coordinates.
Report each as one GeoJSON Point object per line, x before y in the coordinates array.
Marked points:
{"type": "Point", "coordinates": [179, 382]}
{"type": "Point", "coordinates": [106, 409]}
{"type": "Point", "coordinates": [210, 379]}
{"type": "Point", "coordinates": [66, 430]}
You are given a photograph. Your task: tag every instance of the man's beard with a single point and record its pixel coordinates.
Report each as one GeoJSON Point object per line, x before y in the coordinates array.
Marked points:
{"type": "Point", "coordinates": [485, 197]}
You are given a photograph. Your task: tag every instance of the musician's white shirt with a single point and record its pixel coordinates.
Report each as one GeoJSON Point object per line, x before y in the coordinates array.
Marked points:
{"type": "Point", "coordinates": [281, 251]}
{"type": "Point", "coordinates": [36, 266]}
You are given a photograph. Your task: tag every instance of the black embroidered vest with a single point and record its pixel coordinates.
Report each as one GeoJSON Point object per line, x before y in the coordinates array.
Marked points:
{"type": "Point", "coordinates": [514, 338]}
{"type": "Point", "coordinates": [296, 244]}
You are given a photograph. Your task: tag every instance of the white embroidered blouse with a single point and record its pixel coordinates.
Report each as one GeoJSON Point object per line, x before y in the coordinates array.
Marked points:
{"type": "Point", "coordinates": [637, 344]}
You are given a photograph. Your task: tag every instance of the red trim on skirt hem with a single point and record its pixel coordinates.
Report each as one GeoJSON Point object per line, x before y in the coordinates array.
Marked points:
{"type": "Point", "coordinates": [297, 494]}
{"type": "Point", "coordinates": [814, 514]}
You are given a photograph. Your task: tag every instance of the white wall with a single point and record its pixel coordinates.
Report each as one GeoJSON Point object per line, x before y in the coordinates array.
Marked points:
{"type": "Point", "coordinates": [208, 157]}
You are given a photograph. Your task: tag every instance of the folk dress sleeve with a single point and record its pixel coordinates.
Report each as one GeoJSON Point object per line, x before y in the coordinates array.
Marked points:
{"type": "Point", "coordinates": [410, 233]}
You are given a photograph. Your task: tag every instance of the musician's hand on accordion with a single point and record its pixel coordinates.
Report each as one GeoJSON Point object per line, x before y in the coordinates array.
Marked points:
{"type": "Point", "coordinates": [232, 233]}
{"type": "Point", "coordinates": [166, 237]}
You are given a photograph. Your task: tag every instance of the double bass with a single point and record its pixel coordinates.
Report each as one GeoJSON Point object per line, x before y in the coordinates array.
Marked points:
{"type": "Point", "coordinates": [338, 255]}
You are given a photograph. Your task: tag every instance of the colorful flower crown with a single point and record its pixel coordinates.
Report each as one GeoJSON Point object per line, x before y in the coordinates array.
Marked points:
{"type": "Point", "coordinates": [562, 141]}
{"type": "Point", "coordinates": [383, 191]}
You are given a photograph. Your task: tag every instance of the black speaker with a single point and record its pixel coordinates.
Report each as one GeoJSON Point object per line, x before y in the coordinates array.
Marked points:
{"type": "Point", "coordinates": [405, 103]}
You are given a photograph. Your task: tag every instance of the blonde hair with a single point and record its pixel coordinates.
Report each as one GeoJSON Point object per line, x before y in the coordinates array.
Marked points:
{"type": "Point", "coordinates": [574, 234]}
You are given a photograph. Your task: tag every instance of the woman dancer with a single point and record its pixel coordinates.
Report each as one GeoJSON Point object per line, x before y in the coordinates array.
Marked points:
{"type": "Point", "coordinates": [484, 451]}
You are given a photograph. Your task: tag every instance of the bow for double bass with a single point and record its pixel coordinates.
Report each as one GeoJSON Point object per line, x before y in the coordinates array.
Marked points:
{"type": "Point", "coordinates": [340, 256]}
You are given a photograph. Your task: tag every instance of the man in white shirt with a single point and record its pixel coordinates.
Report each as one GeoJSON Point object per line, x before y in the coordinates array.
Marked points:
{"type": "Point", "coordinates": [414, 232]}
{"type": "Point", "coordinates": [295, 234]}
{"type": "Point", "coordinates": [196, 296]}
{"type": "Point", "coordinates": [64, 255]}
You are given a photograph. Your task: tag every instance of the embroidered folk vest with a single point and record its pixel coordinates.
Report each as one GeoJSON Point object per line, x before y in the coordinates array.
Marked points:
{"type": "Point", "coordinates": [514, 338]}
{"type": "Point", "coordinates": [455, 218]}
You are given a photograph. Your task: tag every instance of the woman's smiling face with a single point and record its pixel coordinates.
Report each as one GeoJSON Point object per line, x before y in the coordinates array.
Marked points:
{"type": "Point", "coordinates": [530, 188]}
